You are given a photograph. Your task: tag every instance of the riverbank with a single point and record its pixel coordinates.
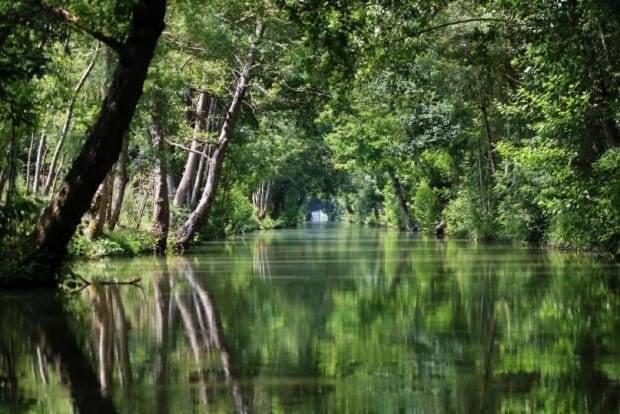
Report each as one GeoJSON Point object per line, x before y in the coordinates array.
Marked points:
{"type": "Point", "coordinates": [126, 242]}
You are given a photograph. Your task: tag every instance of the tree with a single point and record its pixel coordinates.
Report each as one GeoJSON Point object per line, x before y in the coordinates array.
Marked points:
{"type": "Point", "coordinates": [102, 146]}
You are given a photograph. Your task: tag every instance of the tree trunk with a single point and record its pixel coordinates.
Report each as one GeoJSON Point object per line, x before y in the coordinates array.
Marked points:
{"type": "Point", "coordinates": [402, 203]}
{"type": "Point", "coordinates": [206, 152]}
{"type": "Point", "coordinates": [189, 172]}
{"type": "Point", "coordinates": [260, 199]}
{"type": "Point", "coordinates": [198, 180]}
{"type": "Point", "coordinates": [489, 134]}
{"type": "Point", "coordinates": [161, 210]}
{"type": "Point", "coordinates": [29, 163]}
{"type": "Point", "coordinates": [102, 146]}
{"type": "Point", "coordinates": [55, 182]}
{"type": "Point", "coordinates": [201, 212]}
{"type": "Point", "coordinates": [120, 183]}
{"type": "Point", "coordinates": [47, 324]}
{"type": "Point", "coordinates": [37, 166]}
{"type": "Point", "coordinates": [3, 175]}
{"type": "Point", "coordinates": [141, 211]}
{"type": "Point", "coordinates": [12, 189]}
{"type": "Point", "coordinates": [171, 185]}
{"type": "Point", "coordinates": [68, 117]}
{"type": "Point", "coordinates": [100, 209]}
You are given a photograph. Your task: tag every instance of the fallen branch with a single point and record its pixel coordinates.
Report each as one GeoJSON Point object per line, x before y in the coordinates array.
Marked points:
{"type": "Point", "coordinates": [76, 283]}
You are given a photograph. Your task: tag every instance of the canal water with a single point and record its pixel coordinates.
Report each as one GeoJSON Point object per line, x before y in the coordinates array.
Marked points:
{"type": "Point", "coordinates": [322, 319]}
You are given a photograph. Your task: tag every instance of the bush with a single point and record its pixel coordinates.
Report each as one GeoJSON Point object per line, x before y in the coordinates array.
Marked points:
{"type": "Point", "coordinates": [269, 224]}
{"type": "Point", "coordinates": [232, 213]}
{"type": "Point", "coordinates": [391, 211]}
{"type": "Point", "coordinates": [122, 242]}
{"type": "Point", "coordinates": [425, 206]}
{"type": "Point", "coordinates": [459, 220]}
{"type": "Point", "coordinates": [543, 198]}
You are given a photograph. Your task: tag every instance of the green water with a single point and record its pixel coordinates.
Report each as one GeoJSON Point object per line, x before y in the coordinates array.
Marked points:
{"type": "Point", "coordinates": [322, 319]}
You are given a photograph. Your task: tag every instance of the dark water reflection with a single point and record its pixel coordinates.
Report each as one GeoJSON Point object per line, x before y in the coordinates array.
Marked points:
{"type": "Point", "coordinates": [324, 319]}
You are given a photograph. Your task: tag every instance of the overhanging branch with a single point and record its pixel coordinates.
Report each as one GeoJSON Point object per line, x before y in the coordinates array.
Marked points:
{"type": "Point", "coordinates": [453, 23]}
{"type": "Point", "coordinates": [184, 148]}
{"type": "Point", "coordinates": [66, 16]}
{"type": "Point", "coordinates": [458, 22]}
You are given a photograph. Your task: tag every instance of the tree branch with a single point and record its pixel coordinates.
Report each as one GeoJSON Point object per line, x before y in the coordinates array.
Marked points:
{"type": "Point", "coordinates": [451, 23]}
{"type": "Point", "coordinates": [183, 147]}
{"type": "Point", "coordinates": [66, 16]}
{"type": "Point", "coordinates": [458, 22]}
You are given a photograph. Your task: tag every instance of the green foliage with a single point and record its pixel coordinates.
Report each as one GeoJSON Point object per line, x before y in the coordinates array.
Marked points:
{"type": "Point", "coordinates": [425, 206]}
{"type": "Point", "coordinates": [124, 242]}
{"type": "Point", "coordinates": [391, 216]}
{"type": "Point", "coordinates": [460, 215]}
{"type": "Point", "coordinates": [232, 214]}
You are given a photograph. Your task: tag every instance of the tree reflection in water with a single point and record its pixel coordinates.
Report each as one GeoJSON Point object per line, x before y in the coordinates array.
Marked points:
{"type": "Point", "coordinates": [360, 322]}
{"type": "Point", "coordinates": [38, 326]}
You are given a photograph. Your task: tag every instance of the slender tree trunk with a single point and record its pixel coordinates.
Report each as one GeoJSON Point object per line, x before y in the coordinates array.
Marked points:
{"type": "Point", "coordinates": [141, 211]}
{"type": "Point", "coordinates": [189, 172]}
{"type": "Point", "coordinates": [161, 210]}
{"type": "Point", "coordinates": [171, 185]}
{"type": "Point", "coordinates": [60, 166]}
{"type": "Point", "coordinates": [95, 226]}
{"type": "Point", "coordinates": [260, 199]}
{"type": "Point", "coordinates": [12, 189]}
{"type": "Point", "coordinates": [3, 175]}
{"type": "Point", "coordinates": [206, 149]}
{"type": "Point", "coordinates": [38, 165]}
{"type": "Point", "coordinates": [67, 123]}
{"type": "Point", "coordinates": [201, 212]}
{"type": "Point", "coordinates": [120, 183]}
{"type": "Point", "coordinates": [402, 203]}
{"type": "Point", "coordinates": [489, 134]}
{"type": "Point", "coordinates": [199, 175]}
{"type": "Point", "coordinates": [102, 146]}
{"type": "Point", "coordinates": [29, 163]}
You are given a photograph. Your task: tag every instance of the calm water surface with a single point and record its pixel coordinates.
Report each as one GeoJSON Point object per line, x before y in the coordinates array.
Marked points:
{"type": "Point", "coordinates": [322, 319]}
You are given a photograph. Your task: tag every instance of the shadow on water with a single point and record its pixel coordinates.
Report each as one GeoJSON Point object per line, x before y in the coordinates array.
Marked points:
{"type": "Point", "coordinates": [323, 319]}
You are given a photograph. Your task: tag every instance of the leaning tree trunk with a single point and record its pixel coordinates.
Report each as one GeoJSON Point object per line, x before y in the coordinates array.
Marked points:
{"type": "Point", "coordinates": [47, 324]}
{"type": "Point", "coordinates": [161, 210]}
{"type": "Point", "coordinates": [67, 123]}
{"type": "Point", "coordinates": [201, 213]}
{"type": "Point", "coordinates": [102, 146]}
{"type": "Point", "coordinates": [402, 203]}
{"type": "Point", "coordinates": [206, 153]}
{"type": "Point", "coordinates": [185, 185]}
{"type": "Point", "coordinates": [120, 182]}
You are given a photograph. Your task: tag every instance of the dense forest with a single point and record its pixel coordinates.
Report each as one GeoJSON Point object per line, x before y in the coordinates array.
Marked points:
{"type": "Point", "coordinates": [138, 126]}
